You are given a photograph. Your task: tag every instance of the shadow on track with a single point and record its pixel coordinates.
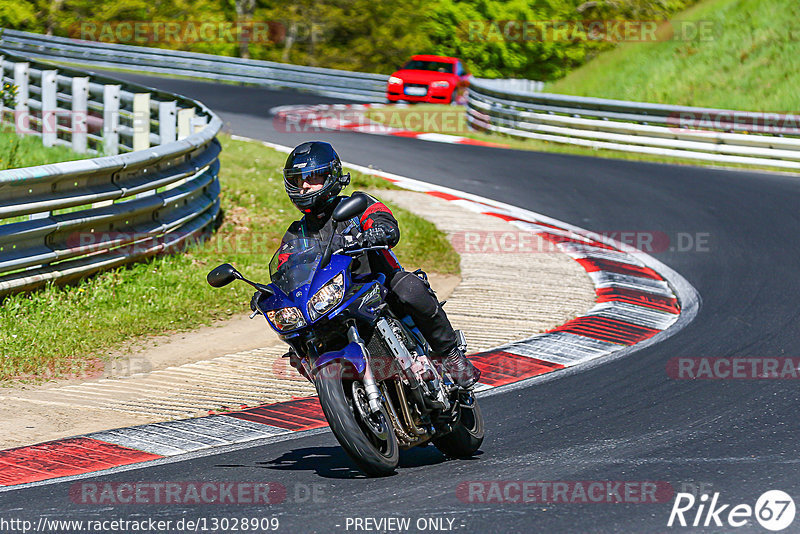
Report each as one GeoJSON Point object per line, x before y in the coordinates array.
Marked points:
{"type": "Point", "coordinates": [332, 462]}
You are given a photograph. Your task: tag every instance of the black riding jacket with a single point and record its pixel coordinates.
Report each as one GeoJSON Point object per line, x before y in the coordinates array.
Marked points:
{"type": "Point", "coordinates": [408, 292]}
{"type": "Point", "coordinates": [376, 214]}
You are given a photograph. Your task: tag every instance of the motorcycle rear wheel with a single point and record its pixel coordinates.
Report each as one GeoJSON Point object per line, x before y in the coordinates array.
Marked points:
{"type": "Point", "coordinates": [367, 438]}
{"type": "Point", "coordinates": [468, 432]}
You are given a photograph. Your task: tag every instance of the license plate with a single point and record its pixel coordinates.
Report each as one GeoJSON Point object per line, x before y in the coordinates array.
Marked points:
{"type": "Point", "coordinates": [416, 91]}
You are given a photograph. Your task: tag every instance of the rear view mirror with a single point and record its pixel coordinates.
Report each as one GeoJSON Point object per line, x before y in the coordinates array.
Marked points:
{"type": "Point", "coordinates": [223, 275]}
{"type": "Point", "coordinates": [349, 208]}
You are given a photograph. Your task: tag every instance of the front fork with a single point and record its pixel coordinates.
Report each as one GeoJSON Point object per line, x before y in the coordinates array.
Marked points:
{"type": "Point", "coordinates": [373, 393]}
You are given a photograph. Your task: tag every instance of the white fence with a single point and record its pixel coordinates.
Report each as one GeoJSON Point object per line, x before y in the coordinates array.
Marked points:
{"type": "Point", "coordinates": [155, 190]}
{"type": "Point", "coordinates": [765, 139]}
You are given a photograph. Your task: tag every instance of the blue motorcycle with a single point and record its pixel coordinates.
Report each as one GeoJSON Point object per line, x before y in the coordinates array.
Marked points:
{"type": "Point", "coordinates": [377, 386]}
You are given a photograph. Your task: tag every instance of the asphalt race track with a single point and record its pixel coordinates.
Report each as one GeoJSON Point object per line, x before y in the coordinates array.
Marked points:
{"type": "Point", "coordinates": [626, 420]}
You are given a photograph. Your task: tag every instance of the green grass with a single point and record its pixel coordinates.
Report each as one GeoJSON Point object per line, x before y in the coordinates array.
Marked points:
{"type": "Point", "coordinates": [452, 120]}
{"type": "Point", "coordinates": [70, 331]}
{"type": "Point", "coordinates": [26, 151]}
{"type": "Point", "coordinates": [750, 62]}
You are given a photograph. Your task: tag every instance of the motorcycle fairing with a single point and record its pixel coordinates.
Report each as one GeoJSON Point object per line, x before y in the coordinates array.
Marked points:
{"type": "Point", "coordinates": [352, 354]}
{"type": "Point", "coordinates": [300, 296]}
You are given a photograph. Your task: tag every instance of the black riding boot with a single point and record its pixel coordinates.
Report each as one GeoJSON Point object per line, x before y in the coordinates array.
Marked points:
{"type": "Point", "coordinates": [460, 368]}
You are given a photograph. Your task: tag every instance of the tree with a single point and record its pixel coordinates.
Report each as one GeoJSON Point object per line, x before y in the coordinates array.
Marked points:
{"type": "Point", "coordinates": [244, 13]}
{"type": "Point", "coordinates": [361, 35]}
{"type": "Point", "coordinates": [18, 15]}
{"type": "Point", "coordinates": [474, 30]}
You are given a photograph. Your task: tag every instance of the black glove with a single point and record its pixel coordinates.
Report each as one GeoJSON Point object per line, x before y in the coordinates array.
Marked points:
{"type": "Point", "coordinates": [254, 300]}
{"type": "Point", "coordinates": [374, 237]}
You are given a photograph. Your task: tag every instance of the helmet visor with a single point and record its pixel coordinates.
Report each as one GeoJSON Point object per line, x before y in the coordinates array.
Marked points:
{"type": "Point", "coordinates": [297, 177]}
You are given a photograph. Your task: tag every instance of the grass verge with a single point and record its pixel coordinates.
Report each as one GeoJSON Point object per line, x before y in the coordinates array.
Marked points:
{"type": "Point", "coordinates": [18, 151]}
{"type": "Point", "coordinates": [744, 55]}
{"type": "Point", "coordinates": [451, 120]}
{"type": "Point", "coordinates": [26, 151]}
{"type": "Point", "coordinates": [70, 331]}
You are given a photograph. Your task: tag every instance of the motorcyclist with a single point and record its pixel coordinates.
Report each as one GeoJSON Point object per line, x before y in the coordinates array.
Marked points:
{"type": "Point", "coordinates": [313, 179]}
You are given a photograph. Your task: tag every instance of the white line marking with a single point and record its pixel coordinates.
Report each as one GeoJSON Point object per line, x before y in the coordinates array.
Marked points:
{"type": "Point", "coordinates": [562, 347]}
{"type": "Point", "coordinates": [606, 279]}
{"type": "Point", "coordinates": [639, 315]}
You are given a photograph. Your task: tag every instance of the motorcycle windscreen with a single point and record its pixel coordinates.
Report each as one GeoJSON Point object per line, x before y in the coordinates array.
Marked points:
{"type": "Point", "coordinates": [295, 263]}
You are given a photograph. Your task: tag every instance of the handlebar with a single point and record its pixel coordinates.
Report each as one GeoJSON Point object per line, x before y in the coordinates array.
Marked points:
{"type": "Point", "coordinates": [354, 251]}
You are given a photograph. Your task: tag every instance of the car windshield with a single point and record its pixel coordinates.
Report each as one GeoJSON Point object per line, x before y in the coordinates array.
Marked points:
{"type": "Point", "coordinates": [438, 66]}
{"type": "Point", "coordinates": [295, 262]}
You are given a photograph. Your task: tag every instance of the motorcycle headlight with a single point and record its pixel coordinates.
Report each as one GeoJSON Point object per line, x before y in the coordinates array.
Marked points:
{"type": "Point", "coordinates": [394, 80]}
{"type": "Point", "coordinates": [440, 84]}
{"type": "Point", "coordinates": [286, 318]}
{"type": "Point", "coordinates": [327, 297]}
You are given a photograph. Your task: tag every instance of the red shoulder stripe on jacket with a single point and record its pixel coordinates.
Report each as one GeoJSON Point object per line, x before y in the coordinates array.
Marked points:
{"type": "Point", "coordinates": [377, 207]}
{"type": "Point", "coordinates": [366, 218]}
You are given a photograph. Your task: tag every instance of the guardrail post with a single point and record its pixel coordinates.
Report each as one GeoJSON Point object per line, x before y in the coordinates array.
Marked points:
{"type": "Point", "coordinates": [22, 118]}
{"type": "Point", "coordinates": [198, 123]}
{"type": "Point", "coordinates": [111, 119]}
{"type": "Point", "coordinates": [141, 121]}
{"type": "Point", "coordinates": [185, 123]}
{"type": "Point", "coordinates": [49, 107]}
{"type": "Point", "coordinates": [167, 121]}
{"type": "Point", "coordinates": [80, 111]}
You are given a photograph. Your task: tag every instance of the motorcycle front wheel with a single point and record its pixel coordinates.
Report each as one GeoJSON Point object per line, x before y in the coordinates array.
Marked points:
{"type": "Point", "coordinates": [367, 438]}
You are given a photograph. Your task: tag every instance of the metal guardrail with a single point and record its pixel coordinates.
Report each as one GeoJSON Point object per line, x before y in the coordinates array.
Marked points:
{"type": "Point", "coordinates": [90, 112]}
{"type": "Point", "coordinates": [339, 83]}
{"type": "Point", "coordinates": [512, 84]}
{"type": "Point", "coordinates": [724, 136]}
{"type": "Point", "coordinates": [80, 217]}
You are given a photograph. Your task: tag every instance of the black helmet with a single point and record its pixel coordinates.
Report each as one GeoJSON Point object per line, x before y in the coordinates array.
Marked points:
{"type": "Point", "coordinates": [318, 160]}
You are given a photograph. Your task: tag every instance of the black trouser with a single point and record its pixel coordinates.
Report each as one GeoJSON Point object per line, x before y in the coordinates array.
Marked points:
{"type": "Point", "coordinates": [415, 297]}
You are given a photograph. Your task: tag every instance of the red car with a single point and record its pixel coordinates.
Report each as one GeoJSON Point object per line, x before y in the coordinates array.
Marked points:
{"type": "Point", "coordinates": [435, 79]}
